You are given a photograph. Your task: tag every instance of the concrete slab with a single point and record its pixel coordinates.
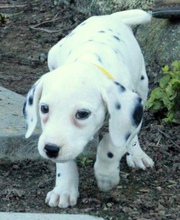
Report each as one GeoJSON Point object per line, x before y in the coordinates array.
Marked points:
{"type": "Point", "coordinates": [11, 119]}
{"type": "Point", "coordinates": [40, 216]}
{"type": "Point", "coordinates": [13, 145]}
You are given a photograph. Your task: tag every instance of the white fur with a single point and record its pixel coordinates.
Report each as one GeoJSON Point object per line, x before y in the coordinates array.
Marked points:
{"type": "Point", "coordinates": [76, 83]}
{"type": "Point", "coordinates": [65, 192]}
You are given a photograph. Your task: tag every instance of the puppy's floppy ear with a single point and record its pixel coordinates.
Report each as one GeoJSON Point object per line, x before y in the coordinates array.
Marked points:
{"type": "Point", "coordinates": [125, 109]}
{"type": "Point", "coordinates": [30, 108]}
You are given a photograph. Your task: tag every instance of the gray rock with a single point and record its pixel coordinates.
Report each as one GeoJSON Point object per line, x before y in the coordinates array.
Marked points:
{"type": "Point", "coordinates": [160, 42]}
{"type": "Point", "coordinates": [95, 7]}
{"type": "Point", "coordinates": [13, 145]}
{"type": "Point", "coordinates": [110, 6]}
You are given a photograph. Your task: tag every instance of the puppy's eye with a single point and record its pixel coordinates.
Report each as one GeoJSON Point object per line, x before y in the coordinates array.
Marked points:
{"type": "Point", "coordinates": [82, 114]}
{"type": "Point", "coordinates": [44, 109]}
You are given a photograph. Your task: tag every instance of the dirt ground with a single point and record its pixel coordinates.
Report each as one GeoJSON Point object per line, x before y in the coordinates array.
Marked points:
{"type": "Point", "coordinates": [27, 32]}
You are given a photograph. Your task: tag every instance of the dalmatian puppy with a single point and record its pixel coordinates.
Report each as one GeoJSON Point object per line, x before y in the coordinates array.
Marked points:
{"type": "Point", "coordinates": [97, 68]}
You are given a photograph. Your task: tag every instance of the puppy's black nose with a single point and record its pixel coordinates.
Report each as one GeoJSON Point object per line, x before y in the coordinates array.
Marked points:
{"type": "Point", "coordinates": [51, 150]}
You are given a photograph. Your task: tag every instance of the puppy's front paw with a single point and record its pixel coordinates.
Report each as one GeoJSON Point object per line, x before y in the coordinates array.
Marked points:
{"type": "Point", "coordinates": [140, 160]}
{"type": "Point", "coordinates": [106, 179]}
{"type": "Point", "coordinates": [62, 198]}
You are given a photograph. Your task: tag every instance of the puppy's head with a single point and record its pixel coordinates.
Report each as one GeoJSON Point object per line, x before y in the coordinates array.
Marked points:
{"type": "Point", "coordinates": [72, 102]}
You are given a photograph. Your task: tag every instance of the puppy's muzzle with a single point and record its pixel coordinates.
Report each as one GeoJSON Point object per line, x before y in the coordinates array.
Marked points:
{"type": "Point", "coordinates": [51, 150]}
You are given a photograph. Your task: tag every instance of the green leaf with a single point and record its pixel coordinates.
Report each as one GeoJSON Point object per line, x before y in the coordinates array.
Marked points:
{"type": "Point", "coordinates": [158, 93]}
{"type": "Point", "coordinates": [175, 84]}
{"type": "Point", "coordinates": [150, 102]}
{"type": "Point", "coordinates": [165, 69]}
{"type": "Point", "coordinates": [167, 103]}
{"type": "Point", "coordinates": [170, 117]}
{"type": "Point", "coordinates": [164, 81]}
{"type": "Point", "coordinates": [158, 105]}
{"type": "Point", "coordinates": [169, 90]}
{"type": "Point", "coordinates": [176, 66]}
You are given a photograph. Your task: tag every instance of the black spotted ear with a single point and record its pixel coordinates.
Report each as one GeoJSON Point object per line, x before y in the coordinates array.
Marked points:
{"type": "Point", "coordinates": [126, 110]}
{"type": "Point", "coordinates": [30, 108]}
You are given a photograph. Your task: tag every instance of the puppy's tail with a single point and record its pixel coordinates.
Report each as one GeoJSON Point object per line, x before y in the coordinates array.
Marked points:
{"type": "Point", "coordinates": [133, 17]}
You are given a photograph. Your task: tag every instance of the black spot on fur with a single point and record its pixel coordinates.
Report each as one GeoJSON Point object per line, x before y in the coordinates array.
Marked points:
{"type": "Point", "coordinates": [137, 113]}
{"type": "Point", "coordinates": [121, 87]}
{"type": "Point", "coordinates": [110, 29]}
{"type": "Point", "coordinates": [139, 100]}
{"type": "Point", "coordinates": [118, 106]}
{"type": "Point", "coordinates": [142, 77]}
{"type": "Point", "coordinates": [101, 32]}
{"type": "Point", "coordinates": [24, 110]}
{"type": "Point", "coordinates": [110, 155]}
{"type": "Point", "coordinates": [117, 38]}
{"type": "Point", "coordinates": [127, 154]}
{"type": "Point", "coordinates": [58, 174]}
{"type": "Point", "coordinates": [30, 100]}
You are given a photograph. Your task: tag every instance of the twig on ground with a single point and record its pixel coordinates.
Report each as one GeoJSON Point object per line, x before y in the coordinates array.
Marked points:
{"type": "Point", "coordinates": [167, 136]}
{"type": "Point", "coordinates": [35, 27]}
{"type": "Point", "coordinates": [12, 6]}
{"type": "Point", "coordinates": [45, 22]}
{"type": "Point", "coordinates": [44, 29]}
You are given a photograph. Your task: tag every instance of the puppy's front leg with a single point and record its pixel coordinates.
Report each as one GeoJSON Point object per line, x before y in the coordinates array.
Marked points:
{"type": "Point", "coordinates": [107, 164]}
{"type": "Point", "coordinates": [136, 157]}
{"type": "Point", "coordinates": [65, 192]}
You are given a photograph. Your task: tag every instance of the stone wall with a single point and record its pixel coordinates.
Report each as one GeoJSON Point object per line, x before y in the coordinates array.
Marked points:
{"type": "Point", "coordinates": [93, 7]}
{"type": "Point", "coordinates": [160, 42]}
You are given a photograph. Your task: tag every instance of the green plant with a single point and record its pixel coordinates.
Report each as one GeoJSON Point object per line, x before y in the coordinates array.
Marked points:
{"type": "Point", "coordinates": [165, 98]}
{"type": "Point", "coordinates": [84, 160]}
